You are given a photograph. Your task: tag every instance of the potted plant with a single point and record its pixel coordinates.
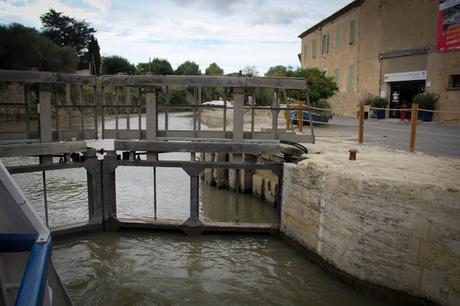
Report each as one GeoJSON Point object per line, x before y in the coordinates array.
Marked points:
{"type": "Point", "coordinates": [380, 103]}
{"type": "Point", "coordinates": [426, 100]}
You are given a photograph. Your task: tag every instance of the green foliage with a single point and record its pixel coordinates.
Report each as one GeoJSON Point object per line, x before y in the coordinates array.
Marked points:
{"type": "Point", "coordinates": [264, 96]}
{"type": "Point", "coordinates": [213, 93]}
{"type": "Point", "coordinates": [157, 66]}
{"type": "Point", "coordinates": [326, 115]}
{"type": "Point", "coordinates": [23, 48]}
{"type": "Point", "coordinates": [67, 31]}
{"type": "Point", "coordinates": [379, 102]}
{"type": "Point", "coordinates": [188, 68]}
{"type": "Point", "coordinates": [278, 71]}
{"type": "Point", "coordinates": [116, 64]}
{"type": "Point", "coordinates": [214, 69]}
{"type": "Point", "coordinates": [177, 96]}
{"type": "Point", "coordinates": [320, 86]}
{"type": "Point", "coordinates": [426, 100]}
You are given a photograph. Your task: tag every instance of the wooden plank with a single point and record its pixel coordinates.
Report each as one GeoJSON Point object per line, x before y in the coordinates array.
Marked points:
{"type": "Point", "coordinates": [45, 77]}
{"type": "Point", "coordinates": [43, 148]}
{"type": "Point", "coordinates": [72, 229]}
{"type": "Point", "coordinates": [168, 224]}
{"type": "Point", "coordinates": [202, 147]}
{"type": "Point", "coordinates": [204, 81]}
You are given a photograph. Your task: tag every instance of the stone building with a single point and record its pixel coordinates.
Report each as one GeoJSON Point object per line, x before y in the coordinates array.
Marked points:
{"type": "Point", "coordinates": [383, 47]}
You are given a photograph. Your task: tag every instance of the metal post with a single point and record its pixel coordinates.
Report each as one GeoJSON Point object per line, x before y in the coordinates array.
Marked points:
{"type": "Point", "coordinates": [128, 102]}
{"type": "Point", "coordinates": [237, 200]}
{"type": "Point", "coordinates": [68, 102]}
{"type": "Point", "coordinates": [275, 112]}
{"type": "Point", "coordinates": [312, 130]}
{"type": "Point", "coordinates": [139, 112]}
{"type": "Point", "coordinates": [56, 111]}
{"type": "Point", "coordinates": [45, 198]}
{"type": "Point", "coordinates": [95, 109]}
{"type": "Point", "coordinates": [117, 92]}
{"type": "Point", "coordinates": [155, 193]}
{"type": "Point", "coordinates": [27, 109]}
{"type": "Point", "coordinates": [413, 127]}
{"type": "Point", "coordinates": [82, 111]}
{"type": "Point", "coordinates": [199, 109]}
{"type": "Point", "coordinates": [167, 112]}
{"type": "Point", "coordinates": [361, 122]}
{"type": "Point", "coordinates": [103, 112]}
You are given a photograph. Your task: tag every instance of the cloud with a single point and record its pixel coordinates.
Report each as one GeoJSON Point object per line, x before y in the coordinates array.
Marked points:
{"type": "Point", "coordinates": [231, 33]}
{"type": "Point", "coordinates": [101, 5]}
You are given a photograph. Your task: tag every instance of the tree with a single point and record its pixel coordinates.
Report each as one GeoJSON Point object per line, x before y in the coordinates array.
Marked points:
{"type": "Point", "coordinates": [249, 71]}
{"type": "Point", "coordinates": [320, 86]}
{"type": "Point", "coordinates": [157, 66]}
{"type": "Point", "coordinates": [213, 93]}
{"type": "Point", "coordinates": [214, 69]}
{"type": "Point", "coordinates": [23, 48]}
{"type": "Point", "coordinates": [67, 31]}
{"type": "Point", "coordinates": [116, 64]}
{"type": "Point", "coordinates": [188, 68]}
{"type": "Point", "coordinates": [277, 71]}
{"type": "Point", "coordinates": [94, 56]}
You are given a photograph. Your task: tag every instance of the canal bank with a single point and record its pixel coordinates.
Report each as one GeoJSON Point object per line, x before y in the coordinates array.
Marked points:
{"type": "Point", "coordinates": [388, 219]}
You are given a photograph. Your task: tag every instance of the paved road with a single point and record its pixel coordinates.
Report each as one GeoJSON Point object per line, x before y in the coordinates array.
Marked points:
{"type": "Point", "coordinates": [432, 138]}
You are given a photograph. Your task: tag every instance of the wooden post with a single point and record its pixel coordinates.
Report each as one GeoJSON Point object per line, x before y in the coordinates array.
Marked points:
{"type": "Point", "coordinates": [300, 115]}
{"type": "Point", "coordinates": [45, 119]}
{"type": "Point", "coordinates": [413, 127]}
{"type": "Point", "coordinates": [151, 118]}
{"type": "Point", "coordinates": [361, 122]}
{"type": "Point", "coordinates": [238, 114]}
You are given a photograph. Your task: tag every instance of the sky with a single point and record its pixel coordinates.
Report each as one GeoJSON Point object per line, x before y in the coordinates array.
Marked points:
{"type": "Point", "coordinates": [234, 34]}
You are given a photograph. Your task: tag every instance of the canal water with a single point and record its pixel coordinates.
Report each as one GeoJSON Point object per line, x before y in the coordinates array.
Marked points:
{"type": "Point", "coordinates": [158, 268]}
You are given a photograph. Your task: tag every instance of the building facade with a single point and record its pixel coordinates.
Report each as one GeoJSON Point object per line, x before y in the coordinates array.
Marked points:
{"type": "Point", "coordinates": [387, 48]}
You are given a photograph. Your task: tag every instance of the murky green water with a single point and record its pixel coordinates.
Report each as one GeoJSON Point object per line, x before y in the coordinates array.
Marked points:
{"type": "Point", "coordinates": [159, 268]}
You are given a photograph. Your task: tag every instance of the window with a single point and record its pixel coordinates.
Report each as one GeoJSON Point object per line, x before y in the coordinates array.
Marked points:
{"type": "Point", "coordinates": [325, 44]}
{"type": "Point", "coordinates": [352, 34]}
{"type": "Point", "coordinates": [305, 52]}
{"type": "Point", "coordinates": [454, 81]}
{"type": "Point", "coordinates": [351, 72]}
{"type": "Point", "coordinates": [337, 38]}
{"type": "Point", "coordinates": [337, 76]}
{"type": "Point", "coordinates": [313, 48]}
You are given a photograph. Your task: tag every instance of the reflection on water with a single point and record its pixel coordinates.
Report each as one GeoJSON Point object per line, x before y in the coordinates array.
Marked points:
{"type": "Point", "coordinates": [67, 189]}
{"type": "Point", "coordinates": [159, 268]}
{"type": "Point", "coordinates": [172, 269]}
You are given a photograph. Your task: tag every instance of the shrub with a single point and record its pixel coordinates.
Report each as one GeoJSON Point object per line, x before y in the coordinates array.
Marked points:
{"type": "Point", "coordinates": [426, 100]}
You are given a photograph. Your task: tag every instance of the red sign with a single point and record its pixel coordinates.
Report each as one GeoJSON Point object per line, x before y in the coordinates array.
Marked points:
{"type": "Point", "coordinates": [448, 26]}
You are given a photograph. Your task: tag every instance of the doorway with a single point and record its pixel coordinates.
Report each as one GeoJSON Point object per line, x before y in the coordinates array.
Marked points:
{"type": "Point", "coordinates": [404, 92]}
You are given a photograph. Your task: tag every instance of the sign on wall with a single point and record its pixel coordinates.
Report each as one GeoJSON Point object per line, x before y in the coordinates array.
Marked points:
{"type": "Point", "coordinates": [405, 76]}
{"type": "Point", "coordinates": [448, 26]}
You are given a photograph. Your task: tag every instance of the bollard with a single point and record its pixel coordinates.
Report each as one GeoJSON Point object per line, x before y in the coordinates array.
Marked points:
{"type": "Point", "coordinates": [413, 127]}
{"type": "Point", "coordinates": [352, 154]}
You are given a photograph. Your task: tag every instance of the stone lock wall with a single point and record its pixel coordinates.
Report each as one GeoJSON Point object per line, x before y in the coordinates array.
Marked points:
{"type": "Point", "coordinates": [383, 224]}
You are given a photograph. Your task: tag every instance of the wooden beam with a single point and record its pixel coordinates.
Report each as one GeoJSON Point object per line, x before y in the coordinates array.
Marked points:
{"type": "Point", "coordinates": [202, 147]}
{"type": "Point", "coordinates": [43, 148]}
{"type": "Point", "coordinates": [204, 81]}
{"type": "Point", "coordinates": [45, 77]}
